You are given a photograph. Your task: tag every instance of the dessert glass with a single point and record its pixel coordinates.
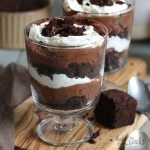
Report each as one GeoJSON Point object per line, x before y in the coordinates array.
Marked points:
{"type": "Point", "coordinates": [65, 102]}
{"type": "Point", "coordinates": [119, 26]}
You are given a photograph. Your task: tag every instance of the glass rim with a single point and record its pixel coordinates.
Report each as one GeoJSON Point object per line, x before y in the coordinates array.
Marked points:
{"type": "Point", "coordinates": [107, 14]}
{"type": "Point", "coordinates": [26, 36]}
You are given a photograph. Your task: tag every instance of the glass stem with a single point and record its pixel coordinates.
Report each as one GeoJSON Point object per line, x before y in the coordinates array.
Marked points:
{"type": "Point", "coordinates": [64, 123]}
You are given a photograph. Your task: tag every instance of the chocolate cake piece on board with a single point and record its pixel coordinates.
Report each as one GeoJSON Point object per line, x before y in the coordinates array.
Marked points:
{"type": "Point", "coordinates": [115, 109]}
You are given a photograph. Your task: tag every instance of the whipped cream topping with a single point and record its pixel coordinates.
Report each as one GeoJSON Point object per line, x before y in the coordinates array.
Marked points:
{"type": "Point", "coordinates": [58, 80]}
{"type": "Point", "coordinates": [90, 37]}
{"type": "Point", "coordinates": [119, 44]}
{"type": "Point", "coordinates": [91, 8]}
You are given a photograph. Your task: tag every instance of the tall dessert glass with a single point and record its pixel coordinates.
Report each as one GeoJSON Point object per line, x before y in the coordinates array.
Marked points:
{"type": "Point", "coordinates": [65, 80]}
{"type": "Point", "coordinates": [117, 16]}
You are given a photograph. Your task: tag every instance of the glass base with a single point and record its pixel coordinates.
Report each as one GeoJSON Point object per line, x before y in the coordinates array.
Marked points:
{"type": "Point", "coordinates": [53, 133]}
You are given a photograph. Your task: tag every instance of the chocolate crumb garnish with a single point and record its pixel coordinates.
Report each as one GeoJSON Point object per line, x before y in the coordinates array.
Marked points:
{"type": "Point", "coordinates": [93, 137]}
{"type": "Point", "coordinates": [102, 2]}
{"type": "Point", "coordinates": [87, 4]}
{"type": "Point", "coordinates": [119, 2]}
{"type": "Point", "coordinates": [91, 118]}
{"type": "Point", "coordinates": [98, 2]}
{"type": "Point", "coordinates": [87, 114]}
{"type": "Point", "coordinates": [80, 1]}
{"type": "Point", "coordinates": [91, 141]}
{"type": "Point", "coordinates": [63, 27]}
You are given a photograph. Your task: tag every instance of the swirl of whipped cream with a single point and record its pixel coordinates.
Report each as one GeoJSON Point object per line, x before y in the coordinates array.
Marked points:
{"type": "Point", "coordinates": [90, 37]}
{"type": "Point", "coordinates": [92, 8]}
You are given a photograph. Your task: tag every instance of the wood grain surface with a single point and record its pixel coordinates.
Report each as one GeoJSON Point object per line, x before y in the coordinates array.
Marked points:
{"type": "Point", "coordinates": [27, 118]}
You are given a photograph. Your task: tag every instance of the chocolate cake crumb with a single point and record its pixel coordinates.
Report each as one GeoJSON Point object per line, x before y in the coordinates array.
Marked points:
{"type": "Point", "coordinates": [98, 2]}
{"type": "Point", "coordinates": [80, 1]}
{"type": "Point", "coordinates": [63, 27]}
{"type": "Point", "coordinates": [91, 141]}
{"type": "Point", "coordinates": [102, 2]}
{"type": "Point", "coordinates": [87, 114]}
{"type": "Point", "coordinates": [119, 2]}
{"type": "Point", "coordinates": [93, 137]}
{"type": "Point", "coordinates": [87, 4]}
{"type": "Point", "coordinates": [91, 118]}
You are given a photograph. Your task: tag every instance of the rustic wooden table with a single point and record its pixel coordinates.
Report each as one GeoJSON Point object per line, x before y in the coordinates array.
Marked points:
{"type": "Point", "coordinates": [26, 119]}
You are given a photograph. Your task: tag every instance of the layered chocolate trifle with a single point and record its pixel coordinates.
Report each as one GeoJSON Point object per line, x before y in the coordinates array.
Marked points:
{"type": "Point", "coordinates": [117, 16]}
{"type": "Point", "coordinates": [66, 61]}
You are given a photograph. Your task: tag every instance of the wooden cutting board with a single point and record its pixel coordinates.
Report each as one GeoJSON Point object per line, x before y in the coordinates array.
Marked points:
{"type": "Point", "coordinates": [27, 117]}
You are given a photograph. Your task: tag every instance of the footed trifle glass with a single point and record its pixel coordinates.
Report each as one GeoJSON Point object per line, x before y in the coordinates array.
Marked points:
{"type": "Point", "coordinates": [117, 16]}
{"type": "Point", "coordinates": [66, 65]}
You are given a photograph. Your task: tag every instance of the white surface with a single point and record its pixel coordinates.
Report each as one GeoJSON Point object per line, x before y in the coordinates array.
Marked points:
{"type": "Point", "coordinates": [89, 37]}
{"type": "Point", "coordinates": [58, 80]}
{"type": "Point", "coordinates": [74, 5]}
{"type": "Point", "coordinates": [119, 44]}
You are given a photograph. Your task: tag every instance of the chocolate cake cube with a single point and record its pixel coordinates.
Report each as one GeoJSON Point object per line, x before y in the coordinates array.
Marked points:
{"type": "Point", "coordinates": [115, 109]}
